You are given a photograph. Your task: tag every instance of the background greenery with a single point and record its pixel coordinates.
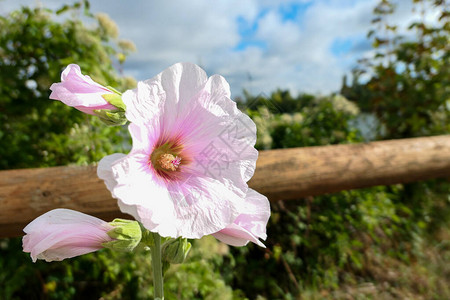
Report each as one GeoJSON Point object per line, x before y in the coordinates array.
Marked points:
{"type": "Point", "coordinates": [389, 242]}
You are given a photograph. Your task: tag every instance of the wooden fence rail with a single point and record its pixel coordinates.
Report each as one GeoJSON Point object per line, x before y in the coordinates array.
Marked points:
{"type": "Point", "coordinates": [280, 174]}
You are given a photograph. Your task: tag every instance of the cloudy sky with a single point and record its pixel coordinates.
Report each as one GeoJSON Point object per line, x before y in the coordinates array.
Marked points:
{"type": "Point", "coordinates": [303, 45]}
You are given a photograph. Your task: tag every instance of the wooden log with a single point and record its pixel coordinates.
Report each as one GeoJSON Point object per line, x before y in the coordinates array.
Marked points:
{"type": "Point", "coordinates": [299, 172]}
{"type": "Point", "coordinates": [280, 174]}
{"type": "Point", "coordinates": [27, 193]}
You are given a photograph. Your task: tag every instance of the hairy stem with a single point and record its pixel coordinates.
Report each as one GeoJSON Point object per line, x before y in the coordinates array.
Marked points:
{"type": "Point", "coordinates": [157, 267]}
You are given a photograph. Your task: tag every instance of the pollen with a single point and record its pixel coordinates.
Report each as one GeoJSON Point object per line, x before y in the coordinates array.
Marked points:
{"type": "Point", "coordinates": [169, 162]}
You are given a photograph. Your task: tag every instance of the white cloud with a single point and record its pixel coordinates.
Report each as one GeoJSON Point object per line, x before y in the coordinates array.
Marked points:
{"type": "Point", "coordinates": [297, 54]}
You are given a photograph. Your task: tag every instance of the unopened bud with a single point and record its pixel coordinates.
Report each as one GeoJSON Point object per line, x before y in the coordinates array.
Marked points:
{"type": "Point", "coordinates": [175, 251]}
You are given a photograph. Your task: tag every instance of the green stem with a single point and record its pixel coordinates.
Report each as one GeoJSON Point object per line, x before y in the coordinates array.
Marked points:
{"type": "Point", "coordinates": [157, 267]}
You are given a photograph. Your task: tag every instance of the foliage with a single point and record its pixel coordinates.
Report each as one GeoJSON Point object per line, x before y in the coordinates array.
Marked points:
{"type": "Point", "coordinates": [343, 243]}
{"type": "Point", "coordinates": [311, 241]}
{"type": "Point", "coordinates": [34, 48]}
{"type": "Point", "coordinates": [409, 78]}
{"type": "Point", "coordinates": [407, 88]}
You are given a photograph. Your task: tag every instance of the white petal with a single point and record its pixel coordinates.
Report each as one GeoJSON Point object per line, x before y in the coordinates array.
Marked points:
{"type": "Point", "coordinates": [168, 93]}
{"type": "Point", "coordinates": [61, 216]}
{"type": "Point", "coordinates": [254, 214]}
{"type": "Point", "coordinates": [104, 169]}
{"type": "Point", "coordinates": [237, 236]}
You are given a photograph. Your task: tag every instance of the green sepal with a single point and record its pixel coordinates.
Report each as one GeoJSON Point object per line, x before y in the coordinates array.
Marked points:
{"type": "Point", "coordinates": [111, 117]}
{"type": "Point", "coordinates": [126, 235]}
{"type": "Point", "coordinates": [175, 251]}
{"type": "Point", "coordinates": [113, 90]}
{"type": "Point", "coordinates": [148, 237]}
{"type": "Point", "coordinates": [165, 266]}
{"type": "Point", "coordinates": [115, 99]}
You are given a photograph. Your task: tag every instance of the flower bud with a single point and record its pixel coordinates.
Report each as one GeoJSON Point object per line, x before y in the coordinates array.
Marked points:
{"type": "Point", "coordinates": [126, 235]}
{"type": "Point", "coordinates": [80, 91]}
{"type": "Point", "coordinates": [64, 233]}
{"type": "Point", "coordinates": [175, 251]}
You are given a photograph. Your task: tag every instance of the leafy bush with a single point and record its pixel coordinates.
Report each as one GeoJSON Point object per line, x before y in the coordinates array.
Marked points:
{"type": "Point", "coordinates": [329, 242]}
{"type": "Point", "coordinates": [38, 132]}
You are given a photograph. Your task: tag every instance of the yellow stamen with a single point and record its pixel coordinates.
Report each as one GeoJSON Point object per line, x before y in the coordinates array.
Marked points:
{"type": "Point", "coordinates": [166, 161]}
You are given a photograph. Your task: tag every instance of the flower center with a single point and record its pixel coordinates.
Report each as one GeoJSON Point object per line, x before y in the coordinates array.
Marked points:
{"type": "Point", "coordinates": [169, 162]}
{"type": "Point", "coordinates": [166, 159]}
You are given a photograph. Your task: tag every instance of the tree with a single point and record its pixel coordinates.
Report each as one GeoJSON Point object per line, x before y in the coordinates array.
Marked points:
{"type": "Point", "coordinates": [409, 79]}
{"type": "Point", "coordinates": [34, 49]}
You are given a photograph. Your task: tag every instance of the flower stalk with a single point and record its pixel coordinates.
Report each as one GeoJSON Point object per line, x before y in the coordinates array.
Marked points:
{"type": "Point", "coordinates": [155, 250]}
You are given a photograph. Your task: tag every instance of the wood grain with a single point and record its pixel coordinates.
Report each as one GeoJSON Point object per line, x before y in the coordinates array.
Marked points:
{"type": "Point", "coordinates": [301, 172]}
{"type": "Point", "coordinates": [280, 174]}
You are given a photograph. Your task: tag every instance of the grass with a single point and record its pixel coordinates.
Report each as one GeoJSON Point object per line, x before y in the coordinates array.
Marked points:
{"type": "Point", "coordinates": [425, 277]}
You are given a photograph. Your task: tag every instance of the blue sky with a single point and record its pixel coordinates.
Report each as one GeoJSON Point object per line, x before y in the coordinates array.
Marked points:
{"type": "Point", "coordinates": [259, 45]}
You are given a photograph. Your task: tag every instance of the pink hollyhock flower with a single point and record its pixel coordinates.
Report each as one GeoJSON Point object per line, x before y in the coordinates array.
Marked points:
{"type": "Point", "coordinates": [193, 153]}
{"type": "Point", "coordinates": [80, 91]}
{"type": "Point", "coordinates": [64, 233]}
{"type": "Point", "coordinates": [250, 225]}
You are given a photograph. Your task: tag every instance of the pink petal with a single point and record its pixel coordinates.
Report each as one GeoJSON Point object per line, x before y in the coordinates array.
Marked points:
{"type": "Point", "coordinates": [80, 91]}
{"type": "Point", "coordinates": [250, 225]}
{"type": "Point", "coordinates": [104, 169]}
{"type": "Point", "coordinates": [187, 210]}
{"type": "Point", "coordinates": [143, 138]}
{"type": "Point", "coordinates": [210, 122]}
{"type": "Point", "coordinates": [171, 92]}
{"type": "Point", "coordinates": [197, 207]}
{"type": "Point", "coordinates": [254, 214]}
{"type": "Point", "coordinates": [64, 252]}
{"type": "Point", "coordinates": [64, 233]}
{"type": "Point", "coordinates": [237, 236]}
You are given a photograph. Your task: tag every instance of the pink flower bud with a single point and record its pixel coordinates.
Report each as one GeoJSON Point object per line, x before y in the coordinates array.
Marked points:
{"type": "Point", "coordinates": [64, 233]}
{"type": "Point", "coordinates": [80, 91]}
